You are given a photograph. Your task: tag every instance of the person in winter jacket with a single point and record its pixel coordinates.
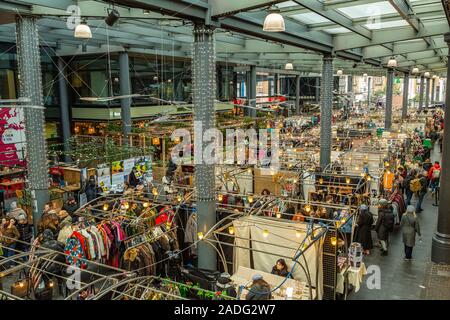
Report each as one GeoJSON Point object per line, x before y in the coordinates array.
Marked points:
{"type": "Point", "coordinates": [407, 182]}
{"type": "Point", "coordinates": [433, 176]}
{"type": "Point", "coordinates": [281, 269]}
{"type": "Point", "coordinates": [385, 225]}
{"type": "Point", "coordinates": [8, 238]}
{"type": "Point", "coordinates": [423, 191]}
{"type": "Point", "coordinates": [91, 189]}
{"type": "Point", "coordinates": [259, 290]}
{"type": "Point", "coordinates": [410, 227]}
{"type": "Point", "coordinates": [26, 234]}
{"type": "Point", "coordinates": [14, 211]}
{"type": "Point", "coordinates": [364, 229]}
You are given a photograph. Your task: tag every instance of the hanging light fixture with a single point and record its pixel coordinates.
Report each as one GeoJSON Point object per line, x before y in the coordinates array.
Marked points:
{"type": "Point", "coordinates": [289, 66]}
{"type": "Point", "coordinates": [231, 230]}
{"type": "Point", "coordinates": [112, 17]}
{"type": "Point", "coordinates": [426, 74]}
{"type": "Point", "coordinates": [265, 233]}
{"type": "Point", "coordinates": [339, 72]}
{"type": "Point", "coordinates": [83, 31]}
{"type": "Point", "coordinates": [200, 235]}
{"type": "Point", "coordinates": [415, 71]}
{"type": "Point", "coordinates": [392, 63]}
{"type": "Point", "coordinates": [298, 233]}
{"type": "Point", "coordinates": [365, 75]}
{"type": "Point", "coordinates": [274, 21]}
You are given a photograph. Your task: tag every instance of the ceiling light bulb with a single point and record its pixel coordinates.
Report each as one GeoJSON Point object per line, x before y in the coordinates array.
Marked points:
{"type": "Point", "coordinates": [339, 72]}
{"type": "Point", "coordinates": [333, 241]}
{"type": "Point", "coordinates": [83, 31]}
{"type": "Point", "coordinates": [278, 215]}
{"type": "Point", "coordinates": [415, 70]}
{"type": "Point", "coordinates": [105, 207]}
{"type": "Point", "coordinates": [179, 198]}
{"type": "Point", "coordinates": [298, 234]}
{"type": "Point", "coordinates": [200, 235]}
{"type": "Point", "coordinates": [289, 66]}
{"type": "Point", "coordinates": [365, 75]}
{"type": "Point", "coordinates": [250, 199]}
{"type": "Point", "coordinates": [265, 233]}
{"type": "Point", "coordinates": [220, 197]}
{"type": "Point", "coordinates": [426, 74]}
{"type": "Point", "coordinates": [146, 204]}
{"type": "Point", "coordinates": [155, 191]}
{"type": "Point", "coordinates": [274, 22]}
{"type": "Point", "coordinates": [347, 180]}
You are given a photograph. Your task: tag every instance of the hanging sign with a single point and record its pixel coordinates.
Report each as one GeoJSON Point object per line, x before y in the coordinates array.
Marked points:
{"type": "Point", "coordinates": [104, 176]}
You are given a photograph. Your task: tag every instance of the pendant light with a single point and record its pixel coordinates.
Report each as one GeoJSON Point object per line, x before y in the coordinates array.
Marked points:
{"type": "Point", "coordinates": [112, 17]}
{"type": "Point", "coordinates": [365, 75]}
{"type": "Point", "coordinates": [415, 71]}
{"type": "Point", "coordinates": [83, 31]}
{"type": "Point", "coordinates": [274, 21]}
{"type": "Point", "coordinates": [339, 72]}
{"type": "Point", "coordinates": [289, 66]}
{"type": "Point", "coordinates": [426, 74]}
{"type": "Point", "coordinates": [392, 63]}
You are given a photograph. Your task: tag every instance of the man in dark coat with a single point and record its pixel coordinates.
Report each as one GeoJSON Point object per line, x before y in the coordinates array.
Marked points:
{"type": "Point", "coordinates": [364, 231]}
{"type": "Point", "coordinates": [385, 224]}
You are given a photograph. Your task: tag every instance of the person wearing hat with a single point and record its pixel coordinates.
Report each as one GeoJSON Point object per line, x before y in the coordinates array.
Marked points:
{"type": "Point", "coordinates": [26, 233]}
{"type": "Point", "coordinates": [364, 229]}
{"type": "Point", "coordinates": [384, 225]}
{"type": "Point", "coordinates": [14, 211]}
{"type": "Point", "coordinates": [410, 227]}
{"type": "Point", "coordinates": [259, 290]}
{"type": "Point", "coordinates": [224, 283]}
{"type": "Point", "coordinates": [71, 206]}
{"type": "Point", "coordinates": [423, 191]}
{"type": "Point", "coordinates": [64, 219]}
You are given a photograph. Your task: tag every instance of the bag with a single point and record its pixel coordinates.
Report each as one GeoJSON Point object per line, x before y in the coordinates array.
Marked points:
{"type": "Point", "coordinates": [388, 221]}
{"type": "Point", "coordinates": [436, 173]}
{"type": "Point", "coordinates": [415, 185]}
{"type": "Point", "coordinates": [44, 291]}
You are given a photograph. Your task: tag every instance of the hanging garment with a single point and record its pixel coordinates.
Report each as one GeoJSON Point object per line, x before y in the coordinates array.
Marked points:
{"type": "Point", "coordinates": [388, 180]}
{"type": "Point", "coordinates": [74, 253]}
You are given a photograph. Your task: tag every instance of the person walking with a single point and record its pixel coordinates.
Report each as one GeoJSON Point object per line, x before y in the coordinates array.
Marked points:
{"type": "Point", "coordinates": [410, 227]}
{"type": "Point", "coordinates": [434, 173]}
{"type": "Point", "coordinates": [408, 191]}
{"type": "Point", "coordinates": [364, 229]}
{"type": "Point", "coordinates": [423, 191]}
{"type": "Point", "coordinates": [385, 225]}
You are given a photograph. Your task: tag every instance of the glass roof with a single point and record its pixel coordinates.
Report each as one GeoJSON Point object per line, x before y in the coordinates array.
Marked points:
{"type": "Point", "coordinates": [309, 18]}
{"type": "Point", "coordinates": [336, 30]}
{"type": "Point", "coordinates": [388, 24]}
{"type": "Point", "coordinates": [368, 10]}
{"type": "Point", "coordinates": [286, 4]}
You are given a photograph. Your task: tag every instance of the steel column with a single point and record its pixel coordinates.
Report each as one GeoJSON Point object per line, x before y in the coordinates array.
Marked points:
{"type": "Point", "coordinates": [350, 84]}
{"type": "Point", "coordinates": [440, 251]}
{"type": "Point", "coordinates": [326, 111]}
{"type": "Point", "coordinates": [405, 96]}
{"type": "Point", "coordinates": [421, 92]}
{"type": "Point", "coordinates": [318, 90]}
{"type": "Point", "coordinates": [427, 94]}
{"type": "Point", "coordinates": [433, 90]}
{"type": "Point", "coordinates": [369, 92]}
{"type": "Point", "coordinates": [204, 88]}
{"type": "Point", "coordinates": [276, 85]}
{"type": "Point", "coordinates": [30, 86]}
{"type": "Point", "coordinates": [64, 107]}
{"type": "Point", "coordinates": [125, 89]}
{"type": "Point", "coordinates": [389, 94]}
{"type": "Point", "coordinates": [297, 95]}
{"type": "Point", "coordinates": [252, 91]}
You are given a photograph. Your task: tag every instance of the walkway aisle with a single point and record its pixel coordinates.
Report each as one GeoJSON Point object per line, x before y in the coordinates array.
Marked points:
{"type": "Point", "coordinates": [403, 279]}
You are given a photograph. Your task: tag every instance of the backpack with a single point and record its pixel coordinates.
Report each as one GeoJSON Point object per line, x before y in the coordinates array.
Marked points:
{"type": "Point", "coordinates": [415, 185]}
{"type": "Point", "coordinates": [388, 220]}
{"type": "Point", "coordinates": [436, 173]}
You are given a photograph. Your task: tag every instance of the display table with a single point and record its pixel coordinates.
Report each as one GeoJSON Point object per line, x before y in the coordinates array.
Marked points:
{"type": "Point", "coordinates": [243, 277]}
{"type": "Point", "coordinates": [353, 276]}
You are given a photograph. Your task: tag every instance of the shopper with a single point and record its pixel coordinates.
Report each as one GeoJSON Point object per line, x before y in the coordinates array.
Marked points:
{"type": "Point", "coordinates": [26, 234]}
{"type": "Point", "coordinates": [423, 191]}
{"type": "Point", "coordinates": [409, 186]}
{"type": "Point", "coordinates": [64, 219]}
{"type": "Point", "coordinates": [410, 227]}
{"type": "Point", "coordinates": [14, 211]}
{"type": "Point", "coordinates": [426, 165]}
{"type": "Point", "coordinates": [364, 229]}
{"type": "Point", "coordinates": [133, 179]}
{"type": "Point", "coordinates": [71, 206]}
{"type": "Point", "coordinates": [385, 225]}
{"type": "Point", "coordinates": [8, 238]}
{"type": "Point", "coordinates": [434, 174]}
{"type": "Point", "coordinates": [91, 189]}
{"type": "Point", "coordinates": [281, 269]}
{"type": "Point", "coordinates": [259, 290]}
